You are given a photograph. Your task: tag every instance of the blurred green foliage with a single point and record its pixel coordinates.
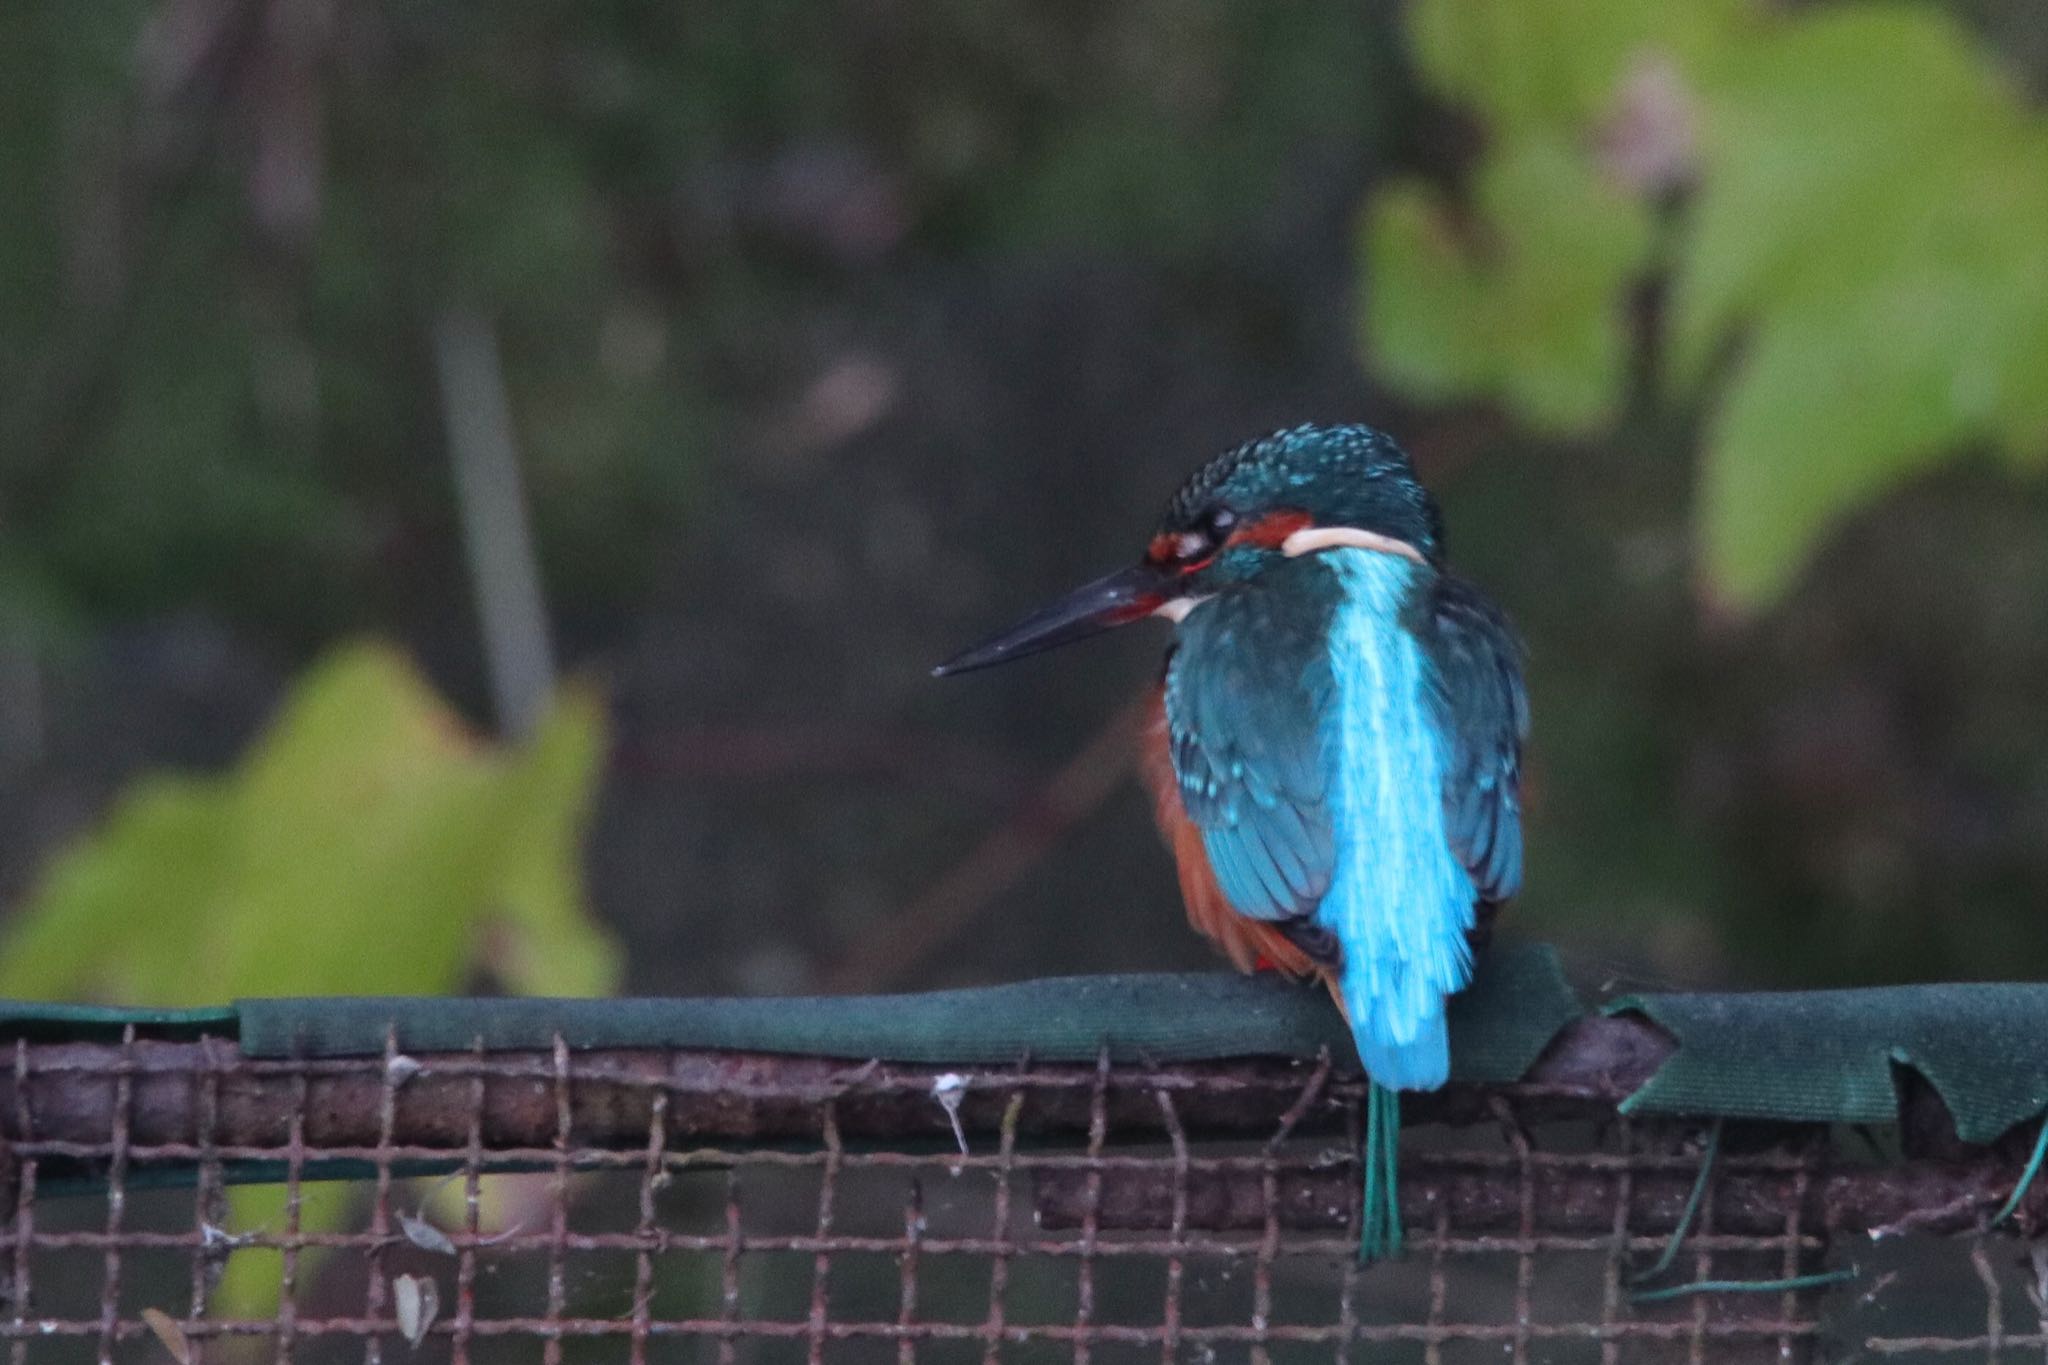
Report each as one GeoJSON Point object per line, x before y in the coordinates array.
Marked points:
{"type": "Point", "coordinates": [368, 844]}
{"type": "Point", "coordinates": [1827, 222]}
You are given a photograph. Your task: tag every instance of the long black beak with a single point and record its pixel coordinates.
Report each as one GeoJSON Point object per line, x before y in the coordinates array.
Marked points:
{"type": "Point", "coordinates": [1124, 596]}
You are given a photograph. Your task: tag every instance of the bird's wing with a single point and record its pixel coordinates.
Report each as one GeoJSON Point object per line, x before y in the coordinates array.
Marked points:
{"type": "Point", "coordinates": [1478, 663]}
{"type": "Point", "coordinates": [1246, 691]}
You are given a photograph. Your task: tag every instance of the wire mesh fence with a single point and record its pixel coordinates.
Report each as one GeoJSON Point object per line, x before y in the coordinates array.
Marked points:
{"type": "Point", "coordinates": [653, 1205]}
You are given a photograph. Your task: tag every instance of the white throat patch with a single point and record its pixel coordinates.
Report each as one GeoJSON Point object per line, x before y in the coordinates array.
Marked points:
{"type": "Point", "coordinates": [1176, 609]}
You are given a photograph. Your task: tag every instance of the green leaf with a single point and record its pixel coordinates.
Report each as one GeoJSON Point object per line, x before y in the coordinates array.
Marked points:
{"type": "Point", "coordinates": [368, 844]}
{"type": "Point", "coordinates": [165, 839]}
{"type": "Point", "coordinates": [2021, 422]}
{"type": "Point", "coordinates": [1885, 254]}
{"type": "Point", "coordinates": [1825, 412]}
{"type": "Point", "coordinates": [1863, 237]}
{"type": "Point", "coordinates": [1526, 305]}
{"type": "Point", "coordinates": [1816, 177]}
{"type": "Point", "coordinates": [547, 946]}
{"type": "Point", "coordinates": [1425, 309]}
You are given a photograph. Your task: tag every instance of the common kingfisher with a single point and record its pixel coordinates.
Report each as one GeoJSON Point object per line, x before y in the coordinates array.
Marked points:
{"type": "Point", "coordinates": [1335, 745]}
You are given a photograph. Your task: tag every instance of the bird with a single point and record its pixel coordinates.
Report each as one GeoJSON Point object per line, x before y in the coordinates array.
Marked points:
{"type": "Point", "coordinates": [1334, 745]}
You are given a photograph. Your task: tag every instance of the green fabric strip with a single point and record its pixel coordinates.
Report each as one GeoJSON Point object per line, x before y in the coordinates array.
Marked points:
{"type": "Point", "coordinates": [1827, 1056]}
{"type": "Point", "coordinates": [45, 1023]}
{"type": "Point", "coordinates": [1807, 1056]}
{"type": "Point", "coordinates": [1516, 1005]}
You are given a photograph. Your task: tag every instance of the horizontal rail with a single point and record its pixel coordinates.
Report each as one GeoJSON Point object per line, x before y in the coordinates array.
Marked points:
{"type": "Point", "coordinates": [164, 1092]}
{"type": "Point", "coordinates": [159, 1105]}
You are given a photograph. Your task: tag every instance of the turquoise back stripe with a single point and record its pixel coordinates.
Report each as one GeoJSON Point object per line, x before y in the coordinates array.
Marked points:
{"type": "Point", "coordinates": [1399, 899]}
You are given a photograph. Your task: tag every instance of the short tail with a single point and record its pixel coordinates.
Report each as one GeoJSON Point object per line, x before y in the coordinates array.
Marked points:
{"type": "Point", "coordinates": [1412, 1052]}
{"type": "Point", "coordinates": [1408, 1061]}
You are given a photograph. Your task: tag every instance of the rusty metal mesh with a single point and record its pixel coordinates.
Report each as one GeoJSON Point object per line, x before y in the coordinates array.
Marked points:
{"type": "Point", "coordinates": [695, 1206]}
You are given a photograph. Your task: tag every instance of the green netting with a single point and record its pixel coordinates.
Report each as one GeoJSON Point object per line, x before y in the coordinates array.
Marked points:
{"type": "Point", "coordinates": [1828, 1056]}
{"type": "Point", "coordinates": [1515, 1007]}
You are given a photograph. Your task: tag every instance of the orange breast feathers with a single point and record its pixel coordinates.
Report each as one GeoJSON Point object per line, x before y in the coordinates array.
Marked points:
{"type": "Point", "coordinates": [1248, 943]}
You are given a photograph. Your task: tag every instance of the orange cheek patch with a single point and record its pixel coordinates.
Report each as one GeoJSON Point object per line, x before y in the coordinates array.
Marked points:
{"type": "Point", "coordinates": [1269, 531]}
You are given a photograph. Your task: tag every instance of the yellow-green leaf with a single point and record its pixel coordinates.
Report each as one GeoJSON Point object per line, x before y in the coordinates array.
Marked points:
{"type": "Point", "coordinates": [543, 942]}
{"type": "Point", "coordinates": [1525, 304]}
{"type": "Point", "coordinates": [1817, 177]}
{"type": "Point", "coordinates": [367, 844]}
{"type": "Point", "coordinates": [1867, 195]}
{"type": "Point", "coordinates": [1426, 312]}
{"type": "Point", "coordinates": [1826, 411]}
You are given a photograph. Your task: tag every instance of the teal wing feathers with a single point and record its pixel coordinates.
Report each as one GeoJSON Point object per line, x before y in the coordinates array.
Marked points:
{"type": "Point", "coordinates": [1246, 691]}
{"type": "Point", "coordinates": [1484, 708]}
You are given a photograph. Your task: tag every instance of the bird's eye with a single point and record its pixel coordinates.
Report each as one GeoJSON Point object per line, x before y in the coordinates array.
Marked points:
{"type": "Point", "coordinates": [1215, 529]}
{"type": "Point", "coordinates": [1196, 546]}
{"type": "Point", "coordinates": [1207, 537]}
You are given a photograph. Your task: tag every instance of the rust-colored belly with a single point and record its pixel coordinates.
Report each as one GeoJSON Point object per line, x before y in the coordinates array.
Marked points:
{"type": "Point", "coordinates": [1248, 943]}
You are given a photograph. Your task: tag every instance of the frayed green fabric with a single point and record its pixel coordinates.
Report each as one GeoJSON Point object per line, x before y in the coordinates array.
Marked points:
{"type": "Point", "coordinates": [1831, 1056]}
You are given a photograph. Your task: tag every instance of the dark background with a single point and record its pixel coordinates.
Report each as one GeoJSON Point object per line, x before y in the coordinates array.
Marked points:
{"type": "Point", "coordinates": [834, 336]}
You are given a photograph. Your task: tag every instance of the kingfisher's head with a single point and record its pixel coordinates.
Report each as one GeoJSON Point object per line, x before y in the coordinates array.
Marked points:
{"type": "Point", "coordinates": [1292, 493]}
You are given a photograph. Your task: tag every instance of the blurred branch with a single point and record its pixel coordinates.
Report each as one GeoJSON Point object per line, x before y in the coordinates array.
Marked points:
{"type": "Point", "coordinates": [892, 955]}
{"type": "Point", "coordinates": [492, 507]}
